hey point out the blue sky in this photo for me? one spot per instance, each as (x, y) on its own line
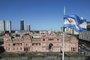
(42, 14)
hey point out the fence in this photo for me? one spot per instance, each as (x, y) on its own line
(46, 58)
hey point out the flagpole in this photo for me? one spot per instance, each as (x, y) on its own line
(63, 47)
(64, 10)
(63, 37)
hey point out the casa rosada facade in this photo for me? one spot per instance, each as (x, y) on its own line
(39, 42)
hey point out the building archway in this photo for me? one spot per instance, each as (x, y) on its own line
(50, 46)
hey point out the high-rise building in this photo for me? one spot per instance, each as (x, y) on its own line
(28, 27)
(1, 25)
(88, 26)
(22, 25)
(8, 26)
(85, 36)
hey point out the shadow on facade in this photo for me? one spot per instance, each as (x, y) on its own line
(87, 58)
(2, 49)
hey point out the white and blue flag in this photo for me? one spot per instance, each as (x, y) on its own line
(73, 21)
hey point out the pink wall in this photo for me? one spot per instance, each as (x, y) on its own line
(29, 45)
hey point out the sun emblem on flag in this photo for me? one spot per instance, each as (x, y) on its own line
(71, 20)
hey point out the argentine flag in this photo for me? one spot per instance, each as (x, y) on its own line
(73, 21)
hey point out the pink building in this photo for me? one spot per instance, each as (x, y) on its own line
(38, 42)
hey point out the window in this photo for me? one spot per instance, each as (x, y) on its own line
(26, 49)
(43, 39)
(36, 44)
(57, 39)
(20, 48)
(26, 44)
(39, 43)
(73, 49)
(8, 44)
(8, 48)
(17, 48)
(50, 39)
(32, 44)
(13, 44)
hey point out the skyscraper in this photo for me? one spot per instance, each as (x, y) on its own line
(8, 26)
(22, 25)
(28, 27)
(88, 26)
(1, 25)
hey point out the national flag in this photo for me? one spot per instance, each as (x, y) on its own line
(73, 21)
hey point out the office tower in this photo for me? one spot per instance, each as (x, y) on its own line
(8, 26)
(88, 26)
(1, 25)
(85, 36)
(28, 27)
(22, 25)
